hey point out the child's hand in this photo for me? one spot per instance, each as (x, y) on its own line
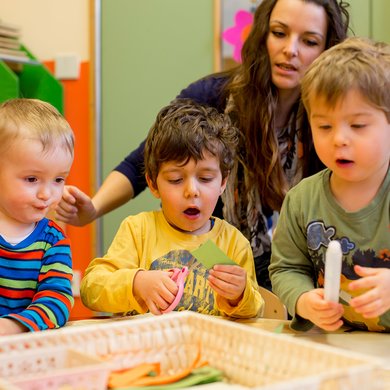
(326, 315)
(376, 300)
(228, 281)
(8, 327)
(156, 289)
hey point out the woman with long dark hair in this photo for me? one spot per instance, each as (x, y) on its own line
(262, 96)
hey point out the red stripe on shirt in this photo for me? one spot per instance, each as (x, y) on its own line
(27, 321)
(43, 316)
(16, 294)
(54, 274)
(30, 255)
(54, 295)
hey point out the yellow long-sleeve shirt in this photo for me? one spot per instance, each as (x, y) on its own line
(146, 241)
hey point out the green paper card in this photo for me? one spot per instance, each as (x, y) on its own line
(209, 255)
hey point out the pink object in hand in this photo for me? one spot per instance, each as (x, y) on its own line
(178, 276)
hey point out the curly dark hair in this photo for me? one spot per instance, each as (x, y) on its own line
(185, 130)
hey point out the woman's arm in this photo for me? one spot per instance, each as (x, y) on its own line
(78, 209)
(127, 180)
(115, 191)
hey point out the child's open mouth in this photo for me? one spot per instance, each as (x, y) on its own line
(342, 161)
(192, 211)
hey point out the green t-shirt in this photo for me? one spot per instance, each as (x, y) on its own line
(310, 218)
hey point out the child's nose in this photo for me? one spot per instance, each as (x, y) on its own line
(44, 192)
(340, 137)
(191, 189)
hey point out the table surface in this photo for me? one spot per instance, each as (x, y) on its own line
(370, 343)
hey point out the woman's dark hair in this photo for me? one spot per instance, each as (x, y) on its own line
(255, 99)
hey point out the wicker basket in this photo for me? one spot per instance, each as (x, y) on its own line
(248, 356)
(52, 369)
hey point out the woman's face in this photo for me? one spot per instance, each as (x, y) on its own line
(297, 36)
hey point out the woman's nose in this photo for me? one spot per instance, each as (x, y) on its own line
(291, 47)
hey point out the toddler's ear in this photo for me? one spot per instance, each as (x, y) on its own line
(153, 189)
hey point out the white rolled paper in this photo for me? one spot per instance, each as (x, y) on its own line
(333, 261)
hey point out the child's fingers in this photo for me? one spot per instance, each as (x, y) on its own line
(331, 327)
(166, 297)
(226, 289)
(365, 271)
(223, 278)
(225, 281)
(164, 293)
(153, 307)
(229, 269)
(364, 299)
(369, 304)
(364, 283)
(229, 274)
(329, 317)
(157, 303)
(172, 287)
(372, 310)
(217, 285)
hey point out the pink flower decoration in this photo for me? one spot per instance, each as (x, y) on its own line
(237, 34)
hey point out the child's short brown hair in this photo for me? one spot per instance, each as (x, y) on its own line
(185, 130)
(35, 119)
(356, 63)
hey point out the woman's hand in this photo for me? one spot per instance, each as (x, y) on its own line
(75, 208)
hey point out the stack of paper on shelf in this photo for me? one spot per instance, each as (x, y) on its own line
(10, 47)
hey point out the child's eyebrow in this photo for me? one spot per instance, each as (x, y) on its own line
(319, 116)
(207, 169)
(181, 169)
(172, 169)
(352, 115)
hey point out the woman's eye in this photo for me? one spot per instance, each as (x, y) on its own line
(278, 34)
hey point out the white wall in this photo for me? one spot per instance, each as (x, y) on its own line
(50, 27)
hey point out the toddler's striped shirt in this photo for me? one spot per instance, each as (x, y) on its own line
(35, 278)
